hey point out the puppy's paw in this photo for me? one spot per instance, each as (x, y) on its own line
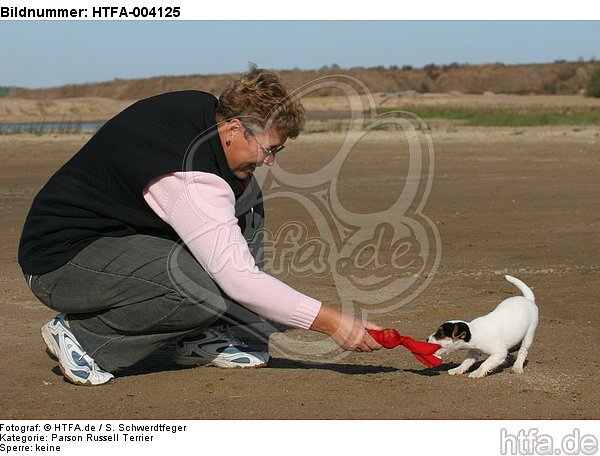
(477, 374)
(456, 371)
(517, 369)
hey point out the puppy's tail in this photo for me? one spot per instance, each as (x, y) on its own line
(521, 286)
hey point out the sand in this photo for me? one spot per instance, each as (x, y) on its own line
(520, 201)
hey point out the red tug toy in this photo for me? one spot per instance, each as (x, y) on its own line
(423, 351)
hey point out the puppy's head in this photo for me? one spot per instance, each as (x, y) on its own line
(451, 335)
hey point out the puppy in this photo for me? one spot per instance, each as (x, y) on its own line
(514, 321)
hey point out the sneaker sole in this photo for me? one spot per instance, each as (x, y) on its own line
(221, 364)
(77, 381)
(52, 350)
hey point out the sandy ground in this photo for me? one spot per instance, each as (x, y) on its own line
(519, 201)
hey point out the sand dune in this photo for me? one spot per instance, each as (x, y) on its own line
(16, 110)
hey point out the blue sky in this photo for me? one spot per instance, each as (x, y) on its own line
(44, 54)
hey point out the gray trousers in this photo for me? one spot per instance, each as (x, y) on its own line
(126, 297)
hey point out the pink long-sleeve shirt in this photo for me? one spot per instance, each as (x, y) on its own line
(201, 209)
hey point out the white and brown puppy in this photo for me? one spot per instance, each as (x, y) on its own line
(514, 321)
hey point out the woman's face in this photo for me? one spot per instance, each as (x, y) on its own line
(244, 152)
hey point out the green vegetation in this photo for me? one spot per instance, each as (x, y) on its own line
(511, 117)
(593, 89)
(579, 117)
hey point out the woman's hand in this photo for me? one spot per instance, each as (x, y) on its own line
(348, 332)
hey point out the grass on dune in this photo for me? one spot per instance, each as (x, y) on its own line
(503, 117)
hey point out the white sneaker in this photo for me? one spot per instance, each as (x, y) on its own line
(76, 365)
(217, 347)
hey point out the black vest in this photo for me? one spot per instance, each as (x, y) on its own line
(99, 191)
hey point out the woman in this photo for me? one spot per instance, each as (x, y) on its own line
(144, 237)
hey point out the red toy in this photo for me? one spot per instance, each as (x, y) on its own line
(423, 351)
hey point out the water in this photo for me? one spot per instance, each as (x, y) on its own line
(58, 127)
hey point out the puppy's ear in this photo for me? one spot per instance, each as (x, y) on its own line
(444, 331)
(439, 333)
(461, 331)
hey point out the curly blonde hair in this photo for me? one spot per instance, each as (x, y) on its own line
(261, 98)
